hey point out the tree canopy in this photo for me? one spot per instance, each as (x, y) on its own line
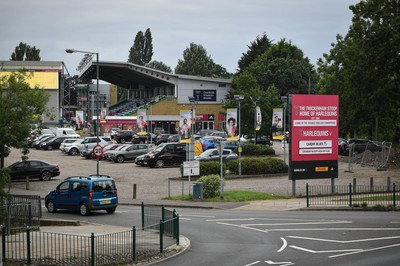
(142, 50)
(267, 71)
(158, 65)
(363, 69)
(24, 52)
(19, 106)
(197, 62)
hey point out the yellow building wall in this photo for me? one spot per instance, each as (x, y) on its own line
(46, 80)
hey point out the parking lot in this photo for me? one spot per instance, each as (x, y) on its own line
(152, 183)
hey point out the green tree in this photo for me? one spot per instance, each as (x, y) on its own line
(158, 65)
(142, 50)
(19, 105)
(24, 52)
(267, 72)
(197, 62)
(256, 48)
(363, 69)
(284, 66)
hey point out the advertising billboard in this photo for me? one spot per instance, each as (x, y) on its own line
(314, 136)
(231, 124)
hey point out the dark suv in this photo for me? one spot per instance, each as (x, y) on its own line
(122, 136)
(84, 194)
(173, 153)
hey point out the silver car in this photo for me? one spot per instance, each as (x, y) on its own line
(129, 152)
(213, 155)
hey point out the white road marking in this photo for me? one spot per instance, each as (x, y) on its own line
(346, 241)
(197, 216)
(253, 263)
(365, 250)
(324, 251)
(284, 245)
(286, 263)
(332, 229)
(304, 223)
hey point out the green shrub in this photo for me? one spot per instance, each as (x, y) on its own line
(209, 168)
(211, 185)
(249, 148)
(258, 166)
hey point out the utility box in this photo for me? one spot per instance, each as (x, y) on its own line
(198, 191)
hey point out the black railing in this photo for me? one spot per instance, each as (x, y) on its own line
(27, 246)
(353, 195)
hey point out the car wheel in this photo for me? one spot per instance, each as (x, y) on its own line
(111, 210)
(122, 141)
(74, 151)
(45, 176)
(49, 148)
(120, 159)
(84, 210)
(160, 164)
(51, 207)
(141, 142)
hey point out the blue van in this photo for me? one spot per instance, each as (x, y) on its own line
(84, 194)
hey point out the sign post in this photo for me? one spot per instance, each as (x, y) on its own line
(191, 168)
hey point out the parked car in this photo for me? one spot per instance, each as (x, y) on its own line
(230, 144)
(73, 148)
(84, 194)
(34, 169)
(203, 132)
(129, 153)
(361, 145)
(173, 138)
(173, 153)
(67, 141)
(207, 143)
(213, 155)
(53, 143)
(86, 148)
(141, 139)
(264, 140)
(115, 147)
(162, 138)
(36, 143)
(114, 131)
(141, 160)
(122, 136)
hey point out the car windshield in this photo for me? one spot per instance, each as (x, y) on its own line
(101, 185)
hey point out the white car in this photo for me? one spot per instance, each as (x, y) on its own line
(90, 142)
(72, 148)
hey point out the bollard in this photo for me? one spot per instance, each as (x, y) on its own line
(354, 185)
(134, 191)
(371, 184)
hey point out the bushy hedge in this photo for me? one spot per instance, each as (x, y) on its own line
(249, 148)
(258, 166)
(211, 185)
(209, 168)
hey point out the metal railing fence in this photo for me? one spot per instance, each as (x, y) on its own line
(21, 211)
(353, 195)
(31, 247)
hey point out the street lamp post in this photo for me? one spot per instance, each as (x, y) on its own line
(284, 100)
(239, 98)
(70, 51)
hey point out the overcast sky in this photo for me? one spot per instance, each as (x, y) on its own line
(223, 27)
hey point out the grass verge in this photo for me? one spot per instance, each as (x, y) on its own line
(235, 196)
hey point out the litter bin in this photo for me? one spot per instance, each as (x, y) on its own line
(198, 191)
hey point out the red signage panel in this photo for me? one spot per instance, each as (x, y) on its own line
(314, 135)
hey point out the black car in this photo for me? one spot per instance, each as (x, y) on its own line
(141, 139)
(36, 143)
(357, 146)
(53, 143)
(123, 136)
(264, 140)
(166, 154)
(34, 169)
(162, 138)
